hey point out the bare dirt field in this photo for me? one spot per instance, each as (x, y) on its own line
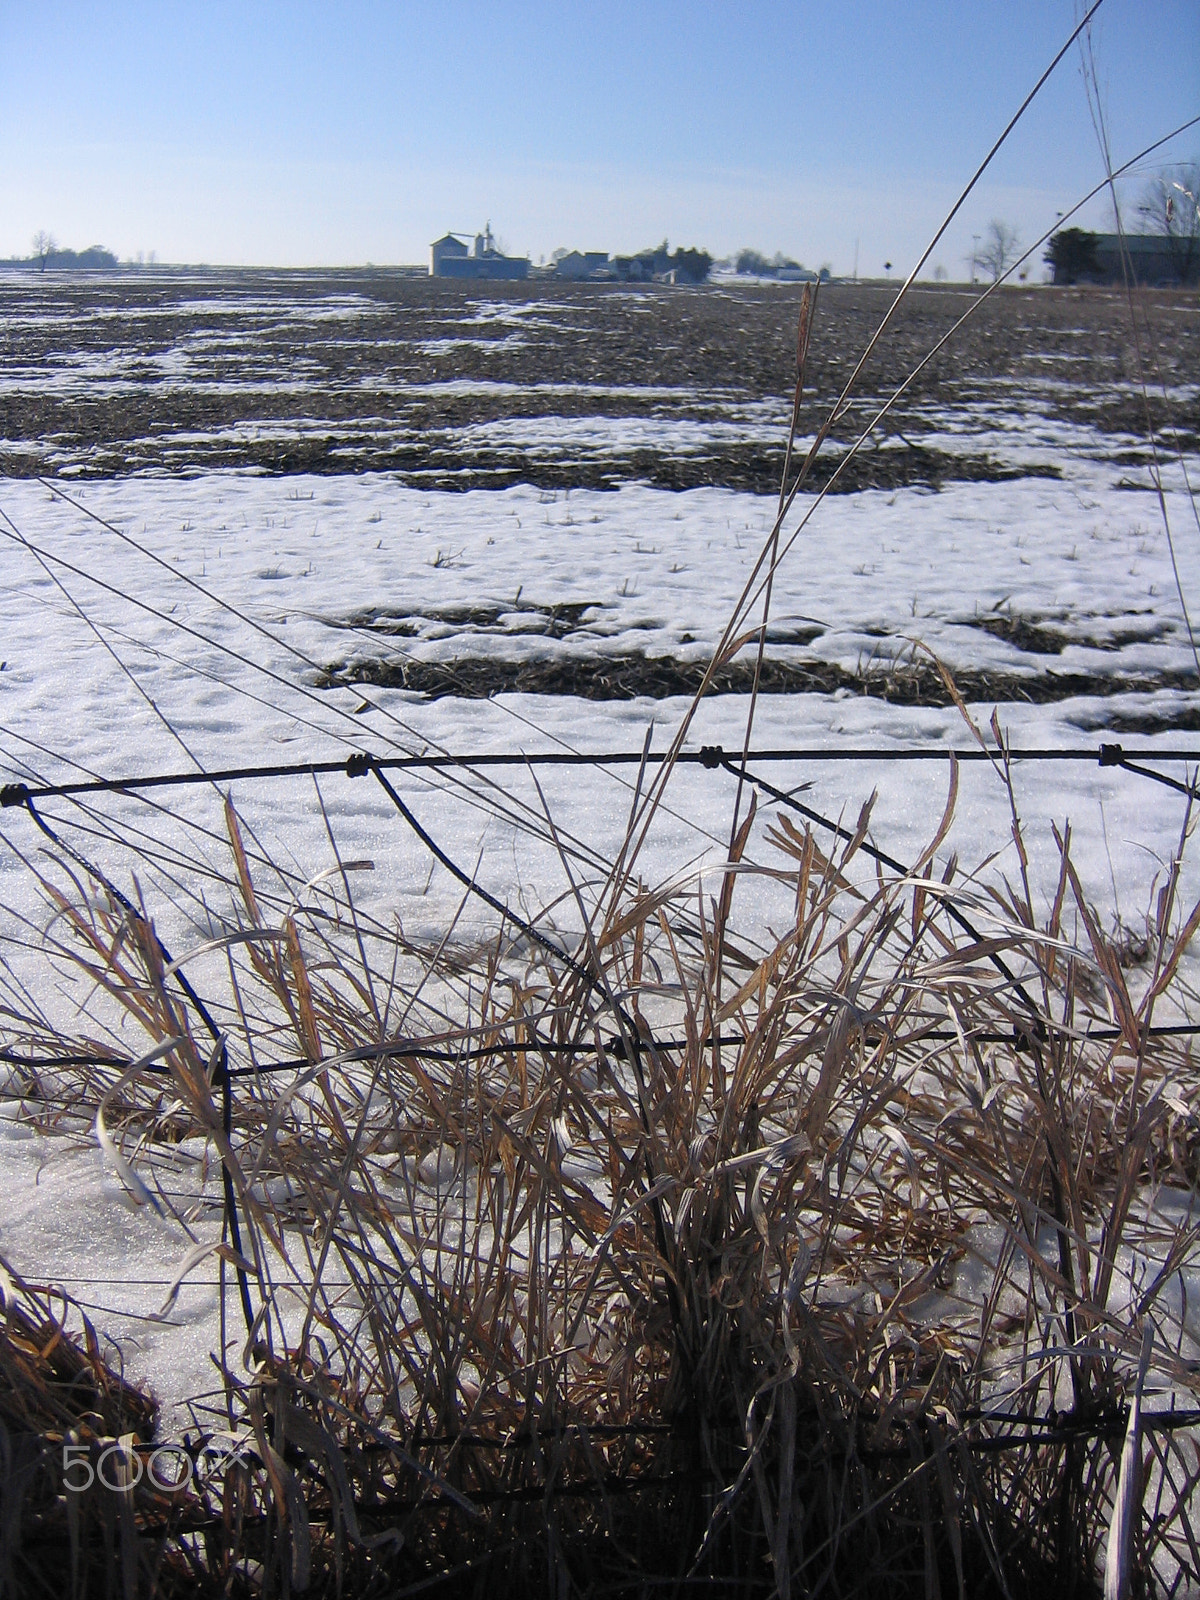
(432, 386)
(468, 386)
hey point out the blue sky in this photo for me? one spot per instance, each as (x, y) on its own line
(319, 134)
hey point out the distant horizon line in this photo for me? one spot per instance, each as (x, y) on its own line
(30, 264)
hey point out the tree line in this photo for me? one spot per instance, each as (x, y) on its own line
(48, 253)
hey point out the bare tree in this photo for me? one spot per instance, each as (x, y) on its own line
(44, 246)
(1169, 208)
(1000, 247)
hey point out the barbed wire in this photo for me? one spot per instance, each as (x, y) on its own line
(1028, 1035)
(708, 756)
(1017, 1037)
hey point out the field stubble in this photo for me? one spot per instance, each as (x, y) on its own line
(450, 387)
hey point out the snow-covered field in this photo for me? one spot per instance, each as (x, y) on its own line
(195, 628)
(162, 623)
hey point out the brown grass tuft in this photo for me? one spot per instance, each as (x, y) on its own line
(848, 1301)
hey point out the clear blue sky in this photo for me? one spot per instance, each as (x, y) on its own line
(342, 133)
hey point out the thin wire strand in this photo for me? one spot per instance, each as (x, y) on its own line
(358, 765)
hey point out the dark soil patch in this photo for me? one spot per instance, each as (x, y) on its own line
(557, 620)
(408, 378)
(1182, 719)
(437, 464)
(1023, 633)
(1036, 636)
(630, 676)
(750, 468)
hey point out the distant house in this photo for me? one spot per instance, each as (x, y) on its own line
(1154, 259)
(753, 264)
(448, 248)
(663, 266)
(579, 264)
(634, 269)
(452, 257)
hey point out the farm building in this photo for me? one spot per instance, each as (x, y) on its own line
(452, 257)
(578, 264)
(1154, 258)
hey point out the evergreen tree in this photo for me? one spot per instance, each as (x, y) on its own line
(1072, 254)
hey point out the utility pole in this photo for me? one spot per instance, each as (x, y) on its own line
(974, 254)
(856, 260)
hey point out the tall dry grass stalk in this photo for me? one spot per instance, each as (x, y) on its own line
(818, 1268)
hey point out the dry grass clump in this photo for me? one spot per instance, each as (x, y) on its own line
(822, 1267)
(55, 1389)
